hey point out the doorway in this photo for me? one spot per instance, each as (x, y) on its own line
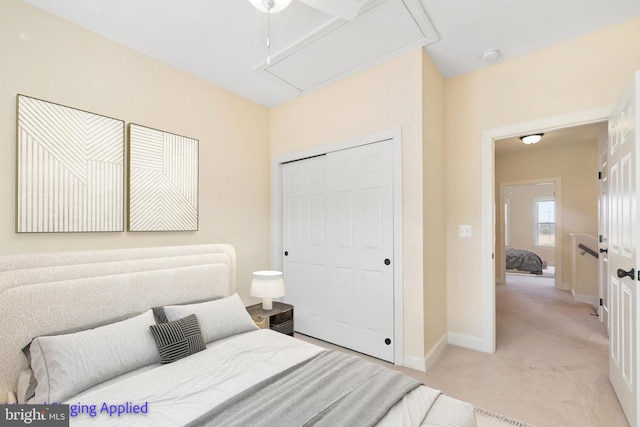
(542, 184)
(489, 138)
(527, 227)
(623, 123)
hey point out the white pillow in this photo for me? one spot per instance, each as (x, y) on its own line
(65, 365)
(218, 319)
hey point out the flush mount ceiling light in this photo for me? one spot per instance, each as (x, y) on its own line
(532, 139)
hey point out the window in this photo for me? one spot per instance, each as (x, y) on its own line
(544, 233)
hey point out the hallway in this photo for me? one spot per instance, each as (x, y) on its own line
(550, 367)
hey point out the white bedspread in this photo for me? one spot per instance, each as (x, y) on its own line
(177, 393)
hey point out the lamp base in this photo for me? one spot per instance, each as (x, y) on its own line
(267, 303)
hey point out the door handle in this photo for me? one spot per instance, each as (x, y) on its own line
(631, 273)
(604, 250)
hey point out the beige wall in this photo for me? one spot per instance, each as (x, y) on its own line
(51, 59)
(576, 164)
(434, 199)
(584, 73)
(385, 97)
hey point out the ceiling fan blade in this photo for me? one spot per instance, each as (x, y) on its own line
(345, 9)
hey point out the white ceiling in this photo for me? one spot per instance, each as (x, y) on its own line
(565, 136)
(223, 41)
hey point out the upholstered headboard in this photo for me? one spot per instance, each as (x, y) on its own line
(48, 293)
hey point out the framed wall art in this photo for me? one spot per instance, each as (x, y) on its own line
(163, 180)
(70, 169)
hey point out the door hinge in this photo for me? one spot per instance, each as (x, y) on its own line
(601, 302)
(600, 238)
(599, 174)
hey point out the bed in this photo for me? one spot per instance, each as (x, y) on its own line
(158, 336)
(525, 260)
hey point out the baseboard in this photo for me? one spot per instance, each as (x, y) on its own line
(436, 351)
(587, 299)
(466, 341)
(416, 363)
(424, 363)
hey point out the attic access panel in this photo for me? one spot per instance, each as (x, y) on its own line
(381, 32)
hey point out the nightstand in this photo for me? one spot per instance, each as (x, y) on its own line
(279, 319)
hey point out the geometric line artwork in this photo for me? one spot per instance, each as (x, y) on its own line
(163, 181)
(70, 169)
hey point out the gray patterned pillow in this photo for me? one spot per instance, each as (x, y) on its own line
(178, 339)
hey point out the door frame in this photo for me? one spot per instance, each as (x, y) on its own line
(603, 258)
(395, 135)
(487, 342)
(501, 247)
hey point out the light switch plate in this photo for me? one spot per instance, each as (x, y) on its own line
(464, 231)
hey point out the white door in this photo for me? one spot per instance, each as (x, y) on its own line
(623, 254)
(603, 228)
(304, 195)
(338, 247)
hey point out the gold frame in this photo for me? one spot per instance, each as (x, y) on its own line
(163, 181)
(69, 169)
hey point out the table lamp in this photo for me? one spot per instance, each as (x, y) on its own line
(267, 285)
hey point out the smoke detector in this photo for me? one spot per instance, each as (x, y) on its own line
(490, 55)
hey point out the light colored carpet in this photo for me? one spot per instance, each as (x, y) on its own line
(486, 418)
(551, 364)
(550, 368)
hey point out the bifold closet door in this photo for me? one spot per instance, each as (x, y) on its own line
(338, 243)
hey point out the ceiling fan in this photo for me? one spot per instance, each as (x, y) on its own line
(345, 9)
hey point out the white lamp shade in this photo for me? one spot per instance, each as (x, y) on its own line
(267, 284)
